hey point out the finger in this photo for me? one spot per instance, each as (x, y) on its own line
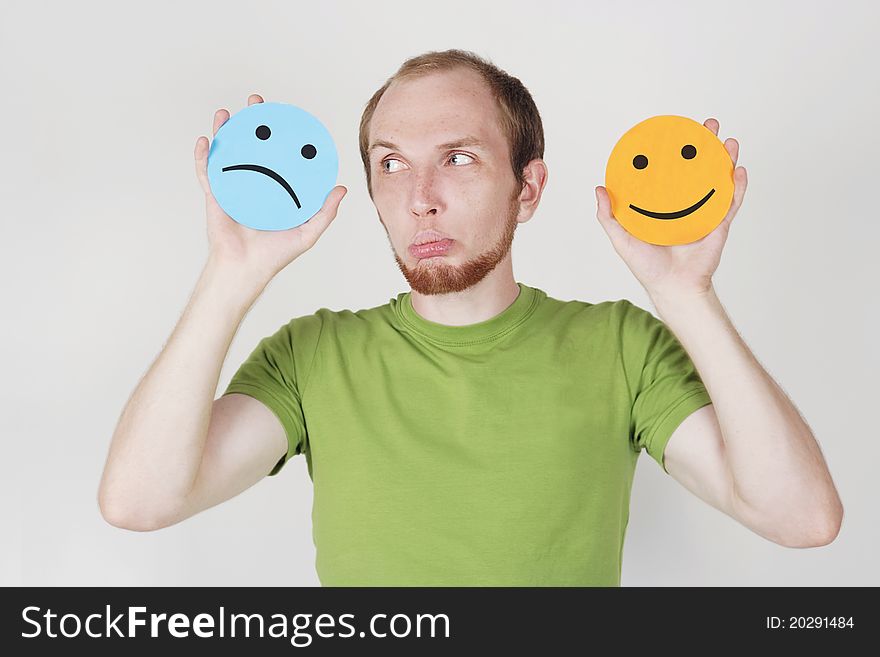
(220, 117)
(605, 216)
(313, 228)
(604, 203)
(201, 159)
(254, 98)
(732, 146)
(740, 183)
(712, 124)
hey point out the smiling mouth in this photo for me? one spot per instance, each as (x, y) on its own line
(265, 170)
(675, 215)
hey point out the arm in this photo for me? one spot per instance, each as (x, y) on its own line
(245, 440)
(749, 453)
(175, 451)
(161, 437)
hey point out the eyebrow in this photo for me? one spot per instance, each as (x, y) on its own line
(456, 143)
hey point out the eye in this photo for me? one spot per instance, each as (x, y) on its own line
(263, 132)
(640, 161)
(388, 161)
(461, 155)
(308, 151)
(688, 152)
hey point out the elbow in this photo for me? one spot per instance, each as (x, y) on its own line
(832, 528)
(121, 517)
(822, 533)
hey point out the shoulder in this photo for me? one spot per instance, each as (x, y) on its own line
(615, 326)
(342, 323)
(346, 318)
(610, 314)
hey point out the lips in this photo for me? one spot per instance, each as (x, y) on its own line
(429, 236)
(430, 249)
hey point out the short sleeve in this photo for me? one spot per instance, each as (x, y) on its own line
(275, 373)
(664, 384)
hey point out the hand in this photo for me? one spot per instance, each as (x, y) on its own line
(680, 269)
(259, 253)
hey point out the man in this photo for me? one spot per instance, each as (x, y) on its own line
(472, 431)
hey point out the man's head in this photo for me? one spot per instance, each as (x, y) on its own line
(452, 144)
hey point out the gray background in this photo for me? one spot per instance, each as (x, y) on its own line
(104, 237)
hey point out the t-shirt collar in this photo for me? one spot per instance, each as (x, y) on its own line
(491, 329)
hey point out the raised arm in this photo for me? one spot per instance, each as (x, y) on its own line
(175, 450)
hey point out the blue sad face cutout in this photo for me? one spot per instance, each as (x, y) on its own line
(271, 166)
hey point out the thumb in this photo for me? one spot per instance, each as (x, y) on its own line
(614, 230)
(201, 162)
(313, 228)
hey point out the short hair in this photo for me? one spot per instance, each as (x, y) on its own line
(520, 119)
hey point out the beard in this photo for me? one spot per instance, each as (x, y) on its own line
(435, 276)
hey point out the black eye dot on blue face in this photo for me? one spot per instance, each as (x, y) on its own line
(688, 152)
(308, 151)
(640, 161)
(263, 132)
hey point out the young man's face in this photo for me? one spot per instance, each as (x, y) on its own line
(439, 161)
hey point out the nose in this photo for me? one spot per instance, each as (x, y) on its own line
(424, 199)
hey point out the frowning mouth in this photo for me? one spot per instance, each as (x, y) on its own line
(267, 171)
(675, 215)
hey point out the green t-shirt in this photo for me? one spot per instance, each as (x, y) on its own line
(499, 453)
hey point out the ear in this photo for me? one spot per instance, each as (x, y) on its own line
(535, 179)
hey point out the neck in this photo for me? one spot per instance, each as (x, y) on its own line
(488, 298)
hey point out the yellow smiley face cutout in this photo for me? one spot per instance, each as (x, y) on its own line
(670, 180)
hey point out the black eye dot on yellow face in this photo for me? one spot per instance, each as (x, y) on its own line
(263, 132)
(640, 161)
(688, 152)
